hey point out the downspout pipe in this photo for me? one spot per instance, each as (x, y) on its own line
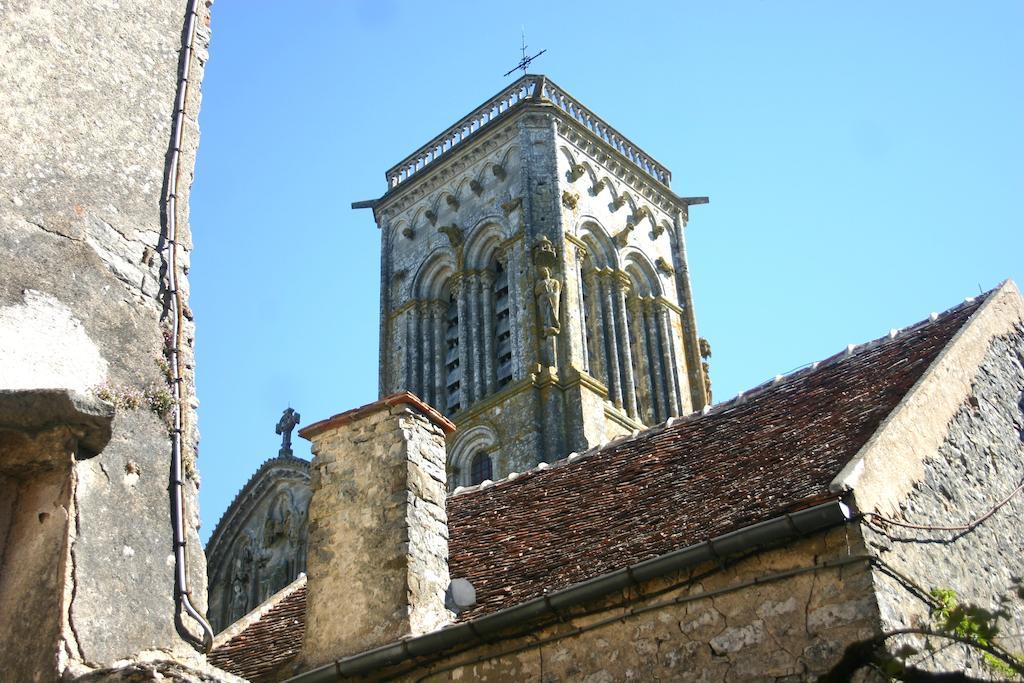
(182, 596)
(780, 529)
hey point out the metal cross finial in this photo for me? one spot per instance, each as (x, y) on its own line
(525, 61)
(289, 420)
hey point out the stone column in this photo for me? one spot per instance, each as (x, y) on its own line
(487, 329)
(645, 388)
(621, 283)
(415, 343)
(478, 323)
(440, 354)
(666, 360)
(662, 409)
(595, 340)
(459, 290)
(608, 319)
(378, 534)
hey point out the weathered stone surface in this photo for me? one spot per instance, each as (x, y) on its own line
(378, 535)
(85, 130)
(535, 199)
(769, 631)
(980, 462)
(156, 667)
(27, 412)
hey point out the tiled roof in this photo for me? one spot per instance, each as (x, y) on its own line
(259, 650)
(773, 450)
(751, 459)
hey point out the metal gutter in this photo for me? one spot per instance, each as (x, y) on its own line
(778, 529)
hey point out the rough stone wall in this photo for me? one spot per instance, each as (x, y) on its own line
(378, 534)
(980, 462)
(34, 531)
(788, 629)
(85, 129)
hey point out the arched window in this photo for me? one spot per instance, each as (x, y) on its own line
(480, 468)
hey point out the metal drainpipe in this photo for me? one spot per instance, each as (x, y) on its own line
(181, 589)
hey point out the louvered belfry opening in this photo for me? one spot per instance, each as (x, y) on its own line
(502, 325)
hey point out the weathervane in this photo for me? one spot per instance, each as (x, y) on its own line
(525, 61)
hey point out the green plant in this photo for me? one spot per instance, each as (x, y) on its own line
(971, 623)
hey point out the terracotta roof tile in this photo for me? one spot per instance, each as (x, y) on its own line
(771, 451)
(774, 450)
(260, 650)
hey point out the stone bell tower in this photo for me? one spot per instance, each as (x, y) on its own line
(534, 284)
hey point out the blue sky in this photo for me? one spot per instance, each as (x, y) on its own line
(863, 162)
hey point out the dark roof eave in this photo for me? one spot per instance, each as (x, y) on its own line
(779, 529)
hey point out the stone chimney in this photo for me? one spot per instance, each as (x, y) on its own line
(378, 532)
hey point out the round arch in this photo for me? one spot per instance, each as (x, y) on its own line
(481, 438)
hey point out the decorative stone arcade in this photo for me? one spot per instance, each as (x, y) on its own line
(534, 283)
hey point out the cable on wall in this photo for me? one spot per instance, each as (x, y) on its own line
(183, 602)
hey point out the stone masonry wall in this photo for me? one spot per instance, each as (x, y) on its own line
(85, 128)
(979, 464)
(713, 625)
(378, 534)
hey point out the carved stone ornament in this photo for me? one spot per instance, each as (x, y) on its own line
(544, 253)
(576, 171)
(511, 205)
(705, 347)
(499, 171)
(408, 233)
(453, 233)
(657, 230)
(664, 266)
(431, 216)
(477, 188)
(622, 237)
(598, 186)
(707, 381)
(547, 290)
(570, 200)
(452, 201)
(618, 202)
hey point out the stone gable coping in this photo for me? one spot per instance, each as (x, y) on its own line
(228, 523)
(401, 398)
(888, 465)
(257, 613)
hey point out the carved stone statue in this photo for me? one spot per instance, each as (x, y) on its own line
(279, 521)
(241, 580)
(548, 291)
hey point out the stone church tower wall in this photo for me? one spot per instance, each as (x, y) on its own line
(86, 146)
(534, 284)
